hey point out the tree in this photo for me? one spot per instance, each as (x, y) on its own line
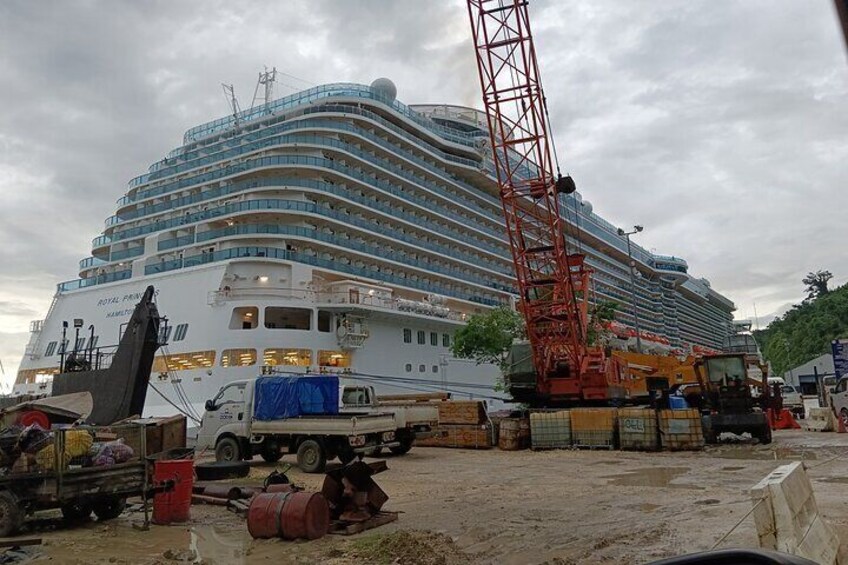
(487, 337)
(805, 331)
(817, 283)
(601, 313)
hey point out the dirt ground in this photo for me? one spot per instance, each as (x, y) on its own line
(464, 506)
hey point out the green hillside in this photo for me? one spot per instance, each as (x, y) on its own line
(805, 332)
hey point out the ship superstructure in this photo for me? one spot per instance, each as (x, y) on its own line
(337, 230)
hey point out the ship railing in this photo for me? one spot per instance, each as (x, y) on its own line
(216, 297)
(341, 297)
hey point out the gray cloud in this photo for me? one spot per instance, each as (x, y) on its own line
(720, 126)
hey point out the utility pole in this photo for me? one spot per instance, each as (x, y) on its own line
(632, 265)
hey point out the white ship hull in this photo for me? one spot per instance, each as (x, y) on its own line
(212, 300)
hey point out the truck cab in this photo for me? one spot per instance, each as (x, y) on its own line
(225, 414)
(839, 400)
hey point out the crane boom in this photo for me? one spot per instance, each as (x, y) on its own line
(553, 285)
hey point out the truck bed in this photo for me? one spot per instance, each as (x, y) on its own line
(411, 415)
(335, 425)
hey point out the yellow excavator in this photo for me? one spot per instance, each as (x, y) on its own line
(642, 375)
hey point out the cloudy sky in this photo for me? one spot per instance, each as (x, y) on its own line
(720, 125)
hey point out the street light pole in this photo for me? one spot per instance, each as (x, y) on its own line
(632, 266)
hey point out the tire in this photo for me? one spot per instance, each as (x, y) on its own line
(109, 508)
(221, 470)
(311, 457)
(76, 512)
(227, 449)
(346, 456)
(403, 448)
(272, 456)
(11, 516)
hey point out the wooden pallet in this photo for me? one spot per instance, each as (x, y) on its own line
(465, 412)
(475, 436)
(346, 528)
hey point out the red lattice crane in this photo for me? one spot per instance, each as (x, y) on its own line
(553, 283)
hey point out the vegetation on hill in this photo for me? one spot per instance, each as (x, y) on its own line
(806, 331)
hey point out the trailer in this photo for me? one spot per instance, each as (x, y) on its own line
(65, 470)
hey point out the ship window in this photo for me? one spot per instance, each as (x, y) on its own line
(51, 349)
(407, 335)
(434, 339)
(64, 347)
(244, 318)
(422, 337)
(409, 367)
(288, 318)
(333, 359)
(422, 368)
(184, 361)
(30, 376)
(180, 332)
(165, 334)
(92, 341)
(238, 357)
(325, 321)
(291, 357)
(80, 344)
(446, 340)
(435, 368)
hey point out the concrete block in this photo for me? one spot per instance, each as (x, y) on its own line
(820, 419)
(787, 517)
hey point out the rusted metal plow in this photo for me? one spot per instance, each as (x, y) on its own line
(355, 500)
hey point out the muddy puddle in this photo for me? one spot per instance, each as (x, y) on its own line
(763, 454)
(652, 477)
(214, 544)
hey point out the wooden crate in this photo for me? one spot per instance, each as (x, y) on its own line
(462, 412)
(162, 434)
(477, 436)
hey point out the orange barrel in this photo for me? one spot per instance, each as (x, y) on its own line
(173, 506)
(263, 516)
(290, 515)
(305, 515)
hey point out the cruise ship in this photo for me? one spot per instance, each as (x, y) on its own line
(335, 230)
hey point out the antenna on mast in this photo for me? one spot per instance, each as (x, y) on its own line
(232, 101)
(266, 79)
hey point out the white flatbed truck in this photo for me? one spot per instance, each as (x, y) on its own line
(231, 427)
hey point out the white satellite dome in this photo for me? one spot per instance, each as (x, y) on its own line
(385, 88)
(587, 207)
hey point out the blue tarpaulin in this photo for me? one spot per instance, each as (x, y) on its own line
(279, 397)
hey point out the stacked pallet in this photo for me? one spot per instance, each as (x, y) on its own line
(462, 423)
